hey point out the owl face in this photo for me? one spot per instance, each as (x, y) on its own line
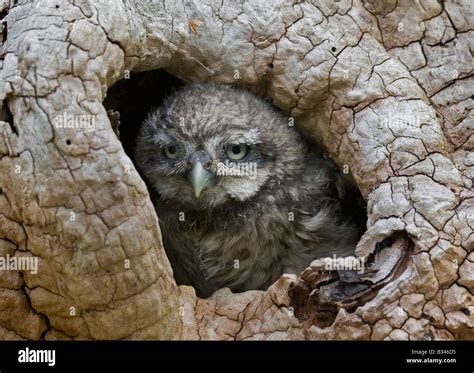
(208, 145)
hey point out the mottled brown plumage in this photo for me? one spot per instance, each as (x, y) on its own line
(239, 231)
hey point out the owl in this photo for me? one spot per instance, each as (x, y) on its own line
(241, 196)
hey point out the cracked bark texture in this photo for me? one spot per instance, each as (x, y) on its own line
(385, 85)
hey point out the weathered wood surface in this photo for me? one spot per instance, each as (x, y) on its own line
(387, 86)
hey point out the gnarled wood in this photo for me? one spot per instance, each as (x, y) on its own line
(386, 86)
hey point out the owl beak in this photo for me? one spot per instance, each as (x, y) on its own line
(199, 178)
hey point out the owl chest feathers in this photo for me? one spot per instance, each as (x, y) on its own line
(249, 250)
(246, 254)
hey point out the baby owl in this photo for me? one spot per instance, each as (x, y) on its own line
(241, 197)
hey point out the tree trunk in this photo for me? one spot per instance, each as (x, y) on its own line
(386, 86)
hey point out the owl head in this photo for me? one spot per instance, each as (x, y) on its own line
(207, 145)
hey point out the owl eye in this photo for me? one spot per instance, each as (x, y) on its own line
(236, 152)
(171, 152)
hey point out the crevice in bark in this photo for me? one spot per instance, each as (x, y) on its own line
(316, 299)
(4, 31)
(7, 116)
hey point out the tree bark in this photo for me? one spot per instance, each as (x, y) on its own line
(386, 86)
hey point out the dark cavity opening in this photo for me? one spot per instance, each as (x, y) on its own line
(4, 28)
(3, 14)
(135, 97)
(7, 116)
